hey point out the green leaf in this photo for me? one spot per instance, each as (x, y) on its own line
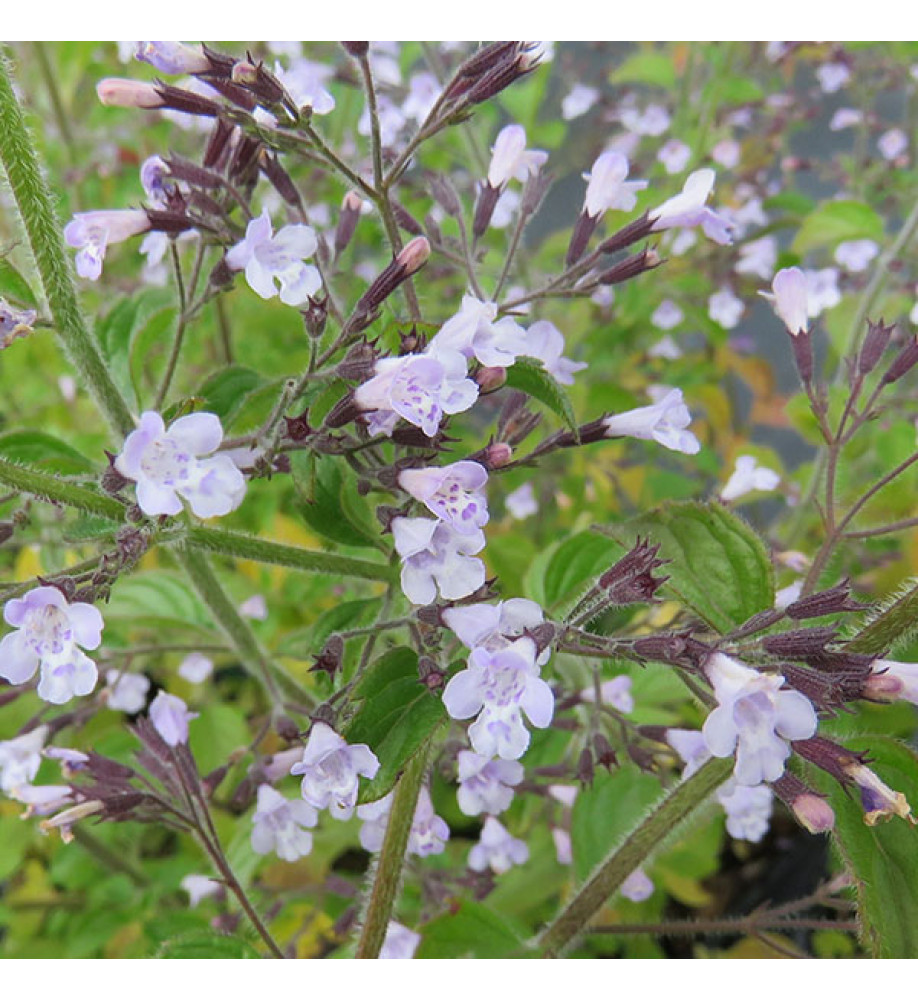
(44, 452)
(120, 328)
(215, 734)
(529, 376)
(157, 596)
(471, 931)
(16, 837)
(892, 625)
(397, 715)
(835, 221)
(604, 813)
(577, 561)
(226, 391)
(332, 506)
(654, 68)
(717, 566)
(881, 858)
(206, 944)
(14, 287)
(305, 643)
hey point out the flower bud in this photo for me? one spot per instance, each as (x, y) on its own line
(605, 755)
(583, 230)
(874, 345)
(118, 93)
(497, 455)
(409, 260)
(172, 58)
(484, 209)
(630, 267)
(490, 379)
(826, 602)
(347, 221)
(356, 49)
(585, 768)
(904, 362)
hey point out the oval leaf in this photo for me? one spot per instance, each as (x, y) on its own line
(529, 376)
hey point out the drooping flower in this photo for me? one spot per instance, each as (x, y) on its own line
(754, 719)
(497, 849)
(688, 209)
(748, 810)
(545, 342)
(637, 886)
(429, 832)
(454, 493)
(170, 715)
(268, 259)
(196, 668)
(789, 299)
(665, 422)
(49, 633)
(400, 942)
(510, 159)
(747, 476)
(126, 692)
(434, 556)
(498, 687)
(280, 825)
(200, 887)
(331, 770)
(92, 232)
(20, 758)
(178, 462)
(476, 332)
(172, 58)
(485, 785)
(607, 188)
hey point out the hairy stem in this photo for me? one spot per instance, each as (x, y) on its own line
(57, 490)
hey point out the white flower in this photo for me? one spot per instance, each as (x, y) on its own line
(267, 259)
(49, 632)
(607, 188)
(92, 232)
(498, 687)
(748, 476)
(726, 153)
(667, 315)
(615, 692)
(476, 332)
(894, 679)
(454, 493)
(485, 785)
(688, 209)
(674, 155)
(563, 847)
(754, 719)
(546, 342)
(423, 91)
(200, 887)
(725, 308)
(637, 887)
(748, 810)
(790, 299)
(434, 556)
(305, 82)
(832, 77)
(892, 144)
(493, 626)
(170, 715)
(856, 255)
(578, 101)
(331, 770)
(665, 422)
(822, 290)
(653, 120)
(126, 692)
(510, 159)
(279, 825)
(665, 348)
(521, 503)
(787, 595)
(497, 849)
(168, 464)
(20, 758)
(429, 833)
(254, 607)
(196, 668)
(845, 118)
(400, 942)
(758, 257)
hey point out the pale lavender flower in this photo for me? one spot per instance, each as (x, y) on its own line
(653, 120)
(856, 255)
(891, 680)
(391, 120)
(42, 800)
(787, 595)
(691, 746)
(758, 257)
(169, 464)
(822, 290)
(832, 76)
(667, 315)
(754, 719)
(280, 825)
(254, 607)
(790, 299)
(726, 153)
(196, 668)
(49, 632)
(200, 887)
(170, 716)
(493, 626)
(20, 759)
(565, 794)
(748, 810)
(637, 886)
(665, 348)
(615, 692)
(725, 308)
(331, 770)
(665, 422)
(845, 118)
(510, 159)
(578, 101)
(435, 556)
(476, 332)
(497, 849)
(419, 388)
(564, 850)
(545, 342)
(305, 81)
(126, 692)
(172, 58)
(154, 175)
(505, 208)
(892, 144)
(688, 209)
(497, 687)
(375, 820)
(674, 155)
(268, 258)
(400, 942)
(93, 232)
(454, 493)
(429, 832)
(747, 476)
(485, 785)
(68, 387)
(423, 91)
(521, 502)
(607, 188)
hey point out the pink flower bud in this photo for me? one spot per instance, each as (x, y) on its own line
(813, 812)
(414, 255)
(119, 93)
(498, 455)
(490, 379)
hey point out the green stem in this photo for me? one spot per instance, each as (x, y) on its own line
(668, 814)
(43, 231)
(388, 873)
(240, 546)
(57, 490)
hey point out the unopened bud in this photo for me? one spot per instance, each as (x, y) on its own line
(244, 73)
(410, 259)
(583, 230)
(484, 208)
(347, 221)
(585, 769)
(874, 345)
(904, 362)
(826, 602)
(605, 755)
(415, 255)
(118, 93)
(497, 455)
(490, 379)
(630, 267)
(356, 49)
(431, 674)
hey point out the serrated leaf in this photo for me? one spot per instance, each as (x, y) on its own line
(471, 931)
(226, 391)
(14, 287)
(529, 376)
(43, 452)
(331, 504)
(835, 221)
(397, 715)
(576, 562)
(604, 813)
(718, 566)
(893, 625)
(206, 944)
(882, 857)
